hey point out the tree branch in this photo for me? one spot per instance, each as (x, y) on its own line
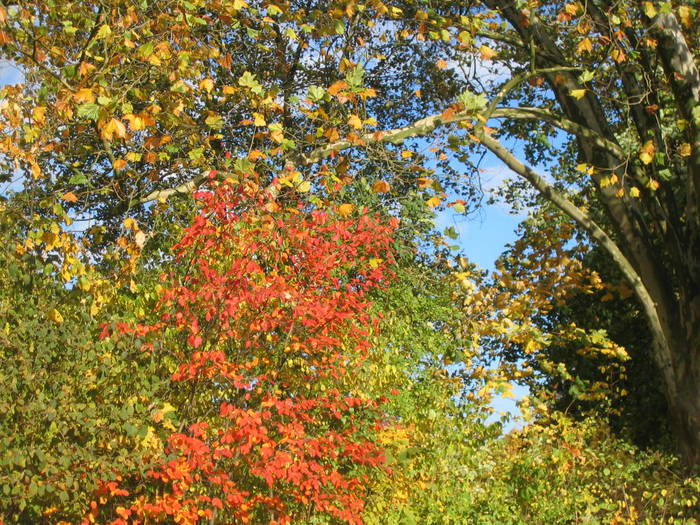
(563, 124)
(550, 193)
(419, 128)
(682, 72)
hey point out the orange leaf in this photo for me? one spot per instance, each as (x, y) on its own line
(256, 154)
(70, 197)
(85, 68)
(84, 95)
(424, 182)
(337, 87)
(381, 186)
(332, 134)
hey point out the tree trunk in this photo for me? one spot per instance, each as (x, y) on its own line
(684, 417)
(684, 410)
(679, 338)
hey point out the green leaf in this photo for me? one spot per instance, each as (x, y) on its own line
(472, 102)
(196, 153)
(89, 110)
(316, 93)
(248, 80)
(451, 232)
(214, 121)
(78, 179)
(355, 76)
(145, 50)
(586, 76)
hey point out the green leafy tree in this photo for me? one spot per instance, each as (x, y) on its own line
(76, 409)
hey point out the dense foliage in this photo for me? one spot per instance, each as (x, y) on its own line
(226, 300)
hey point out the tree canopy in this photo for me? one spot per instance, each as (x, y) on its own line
(227, 298)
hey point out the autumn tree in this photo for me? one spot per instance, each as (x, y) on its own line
(125, 105)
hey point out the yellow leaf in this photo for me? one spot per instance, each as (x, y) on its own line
(486, 52)
(207, 85)
(572, 9)
(684, 149)
(375, 262)
(84, 95)
(154, 60)
(36, 170)
(406, 154)
(70, 197)
(119, 164)
(239, 4)
(39, 114)
(50, 240)
(103, 32)
(441, 64)
(133, 156)
(136, 123)
(381, 186)
(277, 136)
(55, 316)
(577, 93)
(304, 186)
(345, 209)
(584, 46)
(634, 192)
(532, 346)
(647, 152)
(112, 128)
(653, 184)
(433, 202)
(355, 121)
(649, 9)
(130, 224)
(259, 120)
(507, 391)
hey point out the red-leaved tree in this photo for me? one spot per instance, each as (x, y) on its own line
(268, 312)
